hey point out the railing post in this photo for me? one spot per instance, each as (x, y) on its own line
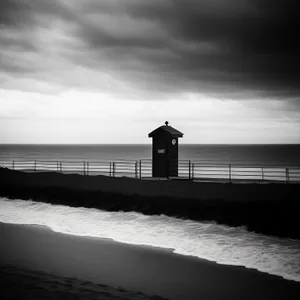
(140, 169)
(190, 170)
(13, 164)
(87, 168)
(60, 166)
(193, 171)
(230, 173)
(136, 169)
(35, 166)
(110, 169)
(287, 175)
(262, 173)
(113, 169)
(84, 168)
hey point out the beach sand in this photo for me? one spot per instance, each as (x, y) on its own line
(105, 265)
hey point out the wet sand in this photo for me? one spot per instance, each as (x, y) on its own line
(114, 265)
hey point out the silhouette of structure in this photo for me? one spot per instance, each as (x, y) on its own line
(165, 151)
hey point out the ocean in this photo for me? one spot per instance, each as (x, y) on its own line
(246, 154)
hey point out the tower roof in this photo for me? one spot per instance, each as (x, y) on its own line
(169, 129)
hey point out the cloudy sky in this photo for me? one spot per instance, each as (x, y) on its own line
(111, 71)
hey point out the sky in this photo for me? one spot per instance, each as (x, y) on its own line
(111, 71)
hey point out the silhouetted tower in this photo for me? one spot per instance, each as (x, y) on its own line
(165, 151)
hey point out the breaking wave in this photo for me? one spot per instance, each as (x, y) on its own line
(218, 243)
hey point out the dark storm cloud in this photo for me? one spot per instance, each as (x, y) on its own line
(256, 41)
(172, 46)
(20, 13)
(12, 12)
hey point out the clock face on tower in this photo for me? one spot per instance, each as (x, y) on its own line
(173, 142)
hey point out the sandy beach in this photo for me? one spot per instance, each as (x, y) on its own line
(151, 271)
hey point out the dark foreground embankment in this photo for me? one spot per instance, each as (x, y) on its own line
(265, 208)
(37, 285)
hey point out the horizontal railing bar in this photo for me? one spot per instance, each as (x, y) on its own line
(179, 161)
(143, 168)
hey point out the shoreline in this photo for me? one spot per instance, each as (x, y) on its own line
(150, 270)
(270, 209)
(159, 248)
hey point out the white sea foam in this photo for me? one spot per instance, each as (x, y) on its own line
(222, 244)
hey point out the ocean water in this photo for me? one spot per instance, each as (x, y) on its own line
(218, 243)
(246, 154)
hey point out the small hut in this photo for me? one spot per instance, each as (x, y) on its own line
(165, 151)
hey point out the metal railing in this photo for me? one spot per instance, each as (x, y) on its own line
(187, 169)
